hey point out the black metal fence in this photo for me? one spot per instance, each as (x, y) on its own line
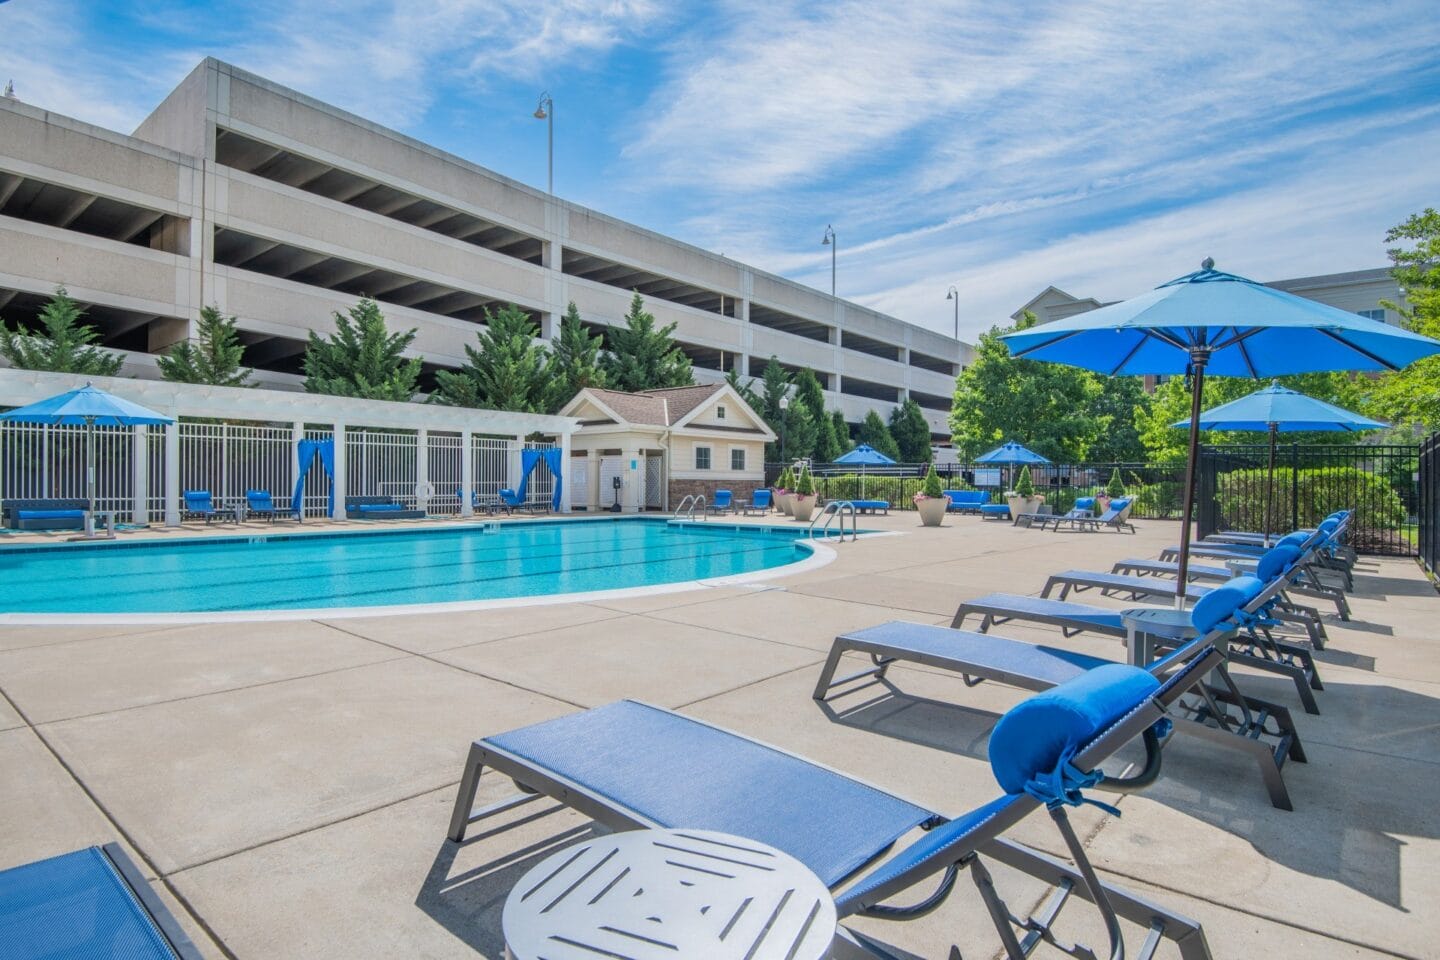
(1155, 486)
(1428, 476)
(1311, 481)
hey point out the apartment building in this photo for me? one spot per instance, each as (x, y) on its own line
(280, 209)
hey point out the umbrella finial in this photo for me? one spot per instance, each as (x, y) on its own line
(1207, 264)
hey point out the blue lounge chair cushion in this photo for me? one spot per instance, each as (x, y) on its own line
(378, 507)
(995, 508)
(657, 764)
(1043, 730)
(1222, 602)
(74, 907)
(50, 514)
(872, 504)
(760, 498)
(1084, 503)
(1276, 561)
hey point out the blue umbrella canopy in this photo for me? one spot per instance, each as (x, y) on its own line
(1284, 410)
(87, 406)
(1225, 324)
(1011, 453)
(865, 455)
(1211, 321)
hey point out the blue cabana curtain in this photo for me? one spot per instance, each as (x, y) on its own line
(306, 450)
(551, 459)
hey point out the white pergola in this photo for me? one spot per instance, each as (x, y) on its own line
(464, 431)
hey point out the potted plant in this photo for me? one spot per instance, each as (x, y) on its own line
(783, 483)
(931, 501)
(1114, 490)
(1022, 499)
(802, 501)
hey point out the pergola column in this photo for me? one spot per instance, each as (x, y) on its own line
(172, 474)
(467, 473)
(422, 466)
(140, 511)
(341, 479)
(565, 478)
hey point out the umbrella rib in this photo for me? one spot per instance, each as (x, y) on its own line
(1358, 349)
(1041, 346)
(1133, 350)
(1165, 336)
(1245, 355)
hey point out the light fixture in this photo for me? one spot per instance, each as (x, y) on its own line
(954, 294)
(545, 110)
(834, 245)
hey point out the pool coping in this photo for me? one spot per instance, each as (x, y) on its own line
(820, 555)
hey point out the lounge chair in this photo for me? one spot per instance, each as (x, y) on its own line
(966, 501)
(199, 505)
(1116, 516)
(380, 508)
(1320, 548)
(724, 503)
(1267, 608)
(49, 513)
(510, 501)
(980, 656)
(88, 903)
(1083, 510)
(1307, 585)
(259, 504)
(629, 765)
(759, 504)
(871, 506)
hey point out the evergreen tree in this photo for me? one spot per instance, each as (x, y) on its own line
(798, 435)
(361, 358)
(774, 387)
(574, 361)
(64, 346)
(642, 357)
(874, 432)
(911, 432)
(809, 392)
(1121, 401)
(746, 388)
(506, 372)
(841, 430)
(214, 359)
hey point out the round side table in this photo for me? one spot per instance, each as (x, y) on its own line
(645, 894)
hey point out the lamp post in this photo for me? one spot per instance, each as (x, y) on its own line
(953, 294)
(833, 244)
(545, 110)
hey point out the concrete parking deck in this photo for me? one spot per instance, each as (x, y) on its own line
(287, 785)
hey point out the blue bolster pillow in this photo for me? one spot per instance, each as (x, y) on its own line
(50, 514)
(1222, 602)
(1276, 561)
(1033, 736)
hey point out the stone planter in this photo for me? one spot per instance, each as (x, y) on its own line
(1023, 505)
(783, 501)
(1102, 503)
(932, 510)
(801, 507)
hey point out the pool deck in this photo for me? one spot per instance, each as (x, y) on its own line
(287, 786)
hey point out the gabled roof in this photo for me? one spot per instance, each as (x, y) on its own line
(1062, 297)
(669, 407)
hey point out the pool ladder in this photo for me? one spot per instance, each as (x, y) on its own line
(689, 505)
(834, 509)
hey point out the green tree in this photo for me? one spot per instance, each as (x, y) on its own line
(361, 358)
(1119, 438)
(506, 372)
(1024, 486)
(65, 344)
(746, 388)
(842, 433)
(826, 447)
(575, 361)
(911, 432)
(1048, 407)
(874, 432)
(1115, 489)
(213, 359)
(1171, 404)
(1411, 397)
(642, 357)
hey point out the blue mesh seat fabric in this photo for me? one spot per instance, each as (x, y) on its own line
(75, 907)
(678, 772)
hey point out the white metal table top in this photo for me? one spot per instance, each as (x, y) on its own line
(645, 894)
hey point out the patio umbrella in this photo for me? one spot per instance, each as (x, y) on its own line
(1216, 322)
(1011, 453)
(1275, 410)
(92, 408)
(864, 456)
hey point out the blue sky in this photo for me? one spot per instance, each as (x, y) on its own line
(1101, 147)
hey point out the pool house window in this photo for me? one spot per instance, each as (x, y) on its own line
(737, 458)
(702, 458)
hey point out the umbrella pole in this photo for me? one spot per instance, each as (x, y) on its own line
(1270, 483)
(1198, 360)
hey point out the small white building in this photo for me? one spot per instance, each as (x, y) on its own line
(648, 450)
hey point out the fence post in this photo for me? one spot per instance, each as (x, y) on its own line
(565, 478)
(340, 473)
(140, 512)
(1294, 486)
(172, 474)
(467, 473)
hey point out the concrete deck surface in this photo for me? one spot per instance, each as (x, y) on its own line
(287, 786)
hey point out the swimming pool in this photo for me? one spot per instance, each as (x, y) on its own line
(469, 565)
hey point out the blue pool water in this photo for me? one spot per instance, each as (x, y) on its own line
(342, 570)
